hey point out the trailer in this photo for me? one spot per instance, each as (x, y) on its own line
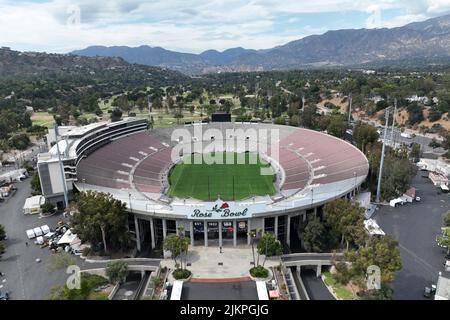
(176, 290)
(33, 205)
(396, 202)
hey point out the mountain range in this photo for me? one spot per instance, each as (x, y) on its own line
(427, 41)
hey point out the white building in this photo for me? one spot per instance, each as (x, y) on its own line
(33, 205)
(442, 288)
(416, 98)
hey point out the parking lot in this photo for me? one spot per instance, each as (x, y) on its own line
(24, 278)
(415, 226)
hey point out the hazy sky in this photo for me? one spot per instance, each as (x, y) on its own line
(194, 25)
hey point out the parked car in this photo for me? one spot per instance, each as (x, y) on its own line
(418, 199)
(429, 292)
(4, 296)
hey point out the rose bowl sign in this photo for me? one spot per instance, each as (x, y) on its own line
(224, 211)
(218, 210)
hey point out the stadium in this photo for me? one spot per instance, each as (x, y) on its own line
(182, 177)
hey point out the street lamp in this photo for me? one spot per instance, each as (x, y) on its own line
(129, 201)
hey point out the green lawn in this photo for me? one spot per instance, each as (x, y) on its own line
(340, 291)
(44, 119)
(194, 176)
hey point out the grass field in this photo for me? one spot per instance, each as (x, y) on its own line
(193, 177)
(341, 292)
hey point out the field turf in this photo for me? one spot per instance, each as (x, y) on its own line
(195, 178)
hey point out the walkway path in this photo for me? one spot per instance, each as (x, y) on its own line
(235, 262)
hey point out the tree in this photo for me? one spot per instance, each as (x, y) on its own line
(253, 235)
(415, 151)
(98, 218)
(2, 232)
(415, 113)
(35, 184)
(314, 235)
(19, 141)
(48, 208)
(364, 134)
(382, 252)
(280, 120)
(446, 219)
(177, 245)
(123, 103)
(269, 246)
(396, 177)
(444, 238)
(308, 116)
(346, 218)
(294, 121)
(178, 115)
(116, 271)
(61, 260)
(337, 126)
(88, 283)
(141, 103)
(116, 115)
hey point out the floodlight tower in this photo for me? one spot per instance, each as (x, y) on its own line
(393, 122)
(63, 177)
(350, 99)
(382, 154)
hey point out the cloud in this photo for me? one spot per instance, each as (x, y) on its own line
(193, 25)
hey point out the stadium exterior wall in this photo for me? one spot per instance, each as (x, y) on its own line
(151, 224)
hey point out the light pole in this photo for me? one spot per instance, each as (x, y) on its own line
(63, 177)
(393, 122)
(350, 99)
(382, 155)
(129, 201)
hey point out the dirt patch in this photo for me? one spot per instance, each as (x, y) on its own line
(340, 102)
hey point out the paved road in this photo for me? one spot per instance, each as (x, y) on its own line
(24, 277)
(314, 286)
(300, 289)
(128, 290)
(219, 291)
(415, 226)
(422, 140)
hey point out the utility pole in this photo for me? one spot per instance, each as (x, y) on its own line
(382, 155)
(61, 167)
(393, 121)
(349, 107)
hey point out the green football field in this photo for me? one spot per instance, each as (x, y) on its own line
(194, 177)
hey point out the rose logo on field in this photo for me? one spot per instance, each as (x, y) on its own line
(224, 206)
